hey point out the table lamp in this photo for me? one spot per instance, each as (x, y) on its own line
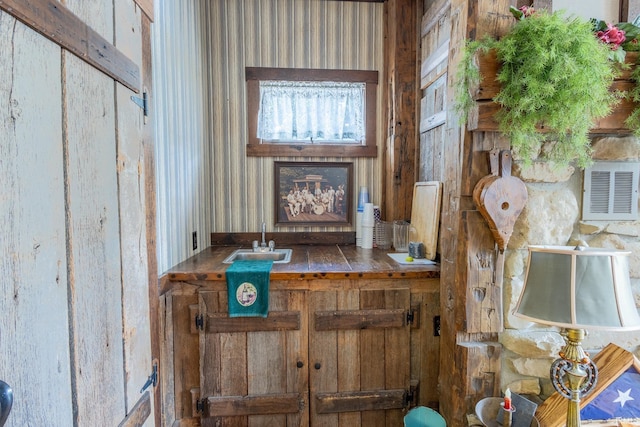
(577, 288)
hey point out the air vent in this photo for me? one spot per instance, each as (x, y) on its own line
(611, 191)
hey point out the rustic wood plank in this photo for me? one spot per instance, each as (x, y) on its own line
(297, 359)
(360, 401)
(401, 65)
(480, 363)
(150, 210)
(95, 287)
(397, 342)
(483, 294)
(323, 355)
(34, 305)
(348, 356)
(275, 321)
(147, 8)
(284, 239)
(57, 23)
(186, 359)
(360, 319)
(139, 413)
(372, 364)
(210, 358)
(167, 369)
(425, 349)
(432, 62)
(267, 363)
(469, 20)
(253, 405)
(132, 213)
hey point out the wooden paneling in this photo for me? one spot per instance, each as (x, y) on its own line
(34, 326)
(245, 370)
(131, 165)
(85, 312)
(59, 24)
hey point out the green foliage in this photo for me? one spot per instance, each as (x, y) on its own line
(555, 75)
(633, 121)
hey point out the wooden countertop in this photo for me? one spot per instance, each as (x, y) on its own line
(333, 262)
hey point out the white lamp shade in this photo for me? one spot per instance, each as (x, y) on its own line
(578, 288)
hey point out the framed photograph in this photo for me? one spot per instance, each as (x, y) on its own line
(313, 193)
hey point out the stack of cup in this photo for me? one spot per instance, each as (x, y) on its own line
(363, 198)
(368, 222)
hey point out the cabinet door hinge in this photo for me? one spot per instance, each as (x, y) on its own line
(199, 321)
(410, 316)
(200, 405)
(411, 395)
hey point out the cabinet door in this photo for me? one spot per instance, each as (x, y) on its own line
(359, 357)
(254, 370)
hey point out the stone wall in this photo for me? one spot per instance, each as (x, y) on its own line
(552, 216)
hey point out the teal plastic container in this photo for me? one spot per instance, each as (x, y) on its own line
(423, 417)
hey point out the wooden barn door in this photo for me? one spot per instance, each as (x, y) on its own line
(254, 370)
(359, 360)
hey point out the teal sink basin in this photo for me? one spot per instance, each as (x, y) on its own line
(278, 256)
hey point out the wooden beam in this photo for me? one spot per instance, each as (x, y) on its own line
(57, 23)
(147, 8)
(402, 33)
(139, 413)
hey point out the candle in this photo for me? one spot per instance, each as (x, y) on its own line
(507, 400)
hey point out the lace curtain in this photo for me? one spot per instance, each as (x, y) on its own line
(311, 111)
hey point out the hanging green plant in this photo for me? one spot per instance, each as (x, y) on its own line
(555, 78)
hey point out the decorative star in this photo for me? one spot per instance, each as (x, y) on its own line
(623, 397)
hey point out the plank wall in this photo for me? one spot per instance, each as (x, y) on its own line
(74, 330)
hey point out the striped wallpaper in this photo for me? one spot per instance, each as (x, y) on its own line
(205, 179)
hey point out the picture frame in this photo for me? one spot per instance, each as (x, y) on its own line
(313, 193)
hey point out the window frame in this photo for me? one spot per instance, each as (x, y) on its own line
(257, 148)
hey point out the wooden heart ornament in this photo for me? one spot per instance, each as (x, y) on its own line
(500, 199)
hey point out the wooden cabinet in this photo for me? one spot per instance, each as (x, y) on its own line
(331, 353)
(321, 358)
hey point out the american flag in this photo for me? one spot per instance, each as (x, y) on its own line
(620, 400)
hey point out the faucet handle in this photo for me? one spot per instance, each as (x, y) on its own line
(255, 245)
(272, 245)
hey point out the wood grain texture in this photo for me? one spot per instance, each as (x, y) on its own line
(95, 282)
(309, 262)
(139, 413)
(245, 372)
(468, 20)
(33, 259)
(403, 101)
(130, 167)
(348, 355)
(56, 22)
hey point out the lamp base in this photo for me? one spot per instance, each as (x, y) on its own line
(574, 375)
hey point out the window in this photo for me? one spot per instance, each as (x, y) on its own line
(611, 191)
(304, 112)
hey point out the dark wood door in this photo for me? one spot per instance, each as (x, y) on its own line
(359, 369)
(253, 369)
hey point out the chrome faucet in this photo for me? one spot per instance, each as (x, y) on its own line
(264, 247)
